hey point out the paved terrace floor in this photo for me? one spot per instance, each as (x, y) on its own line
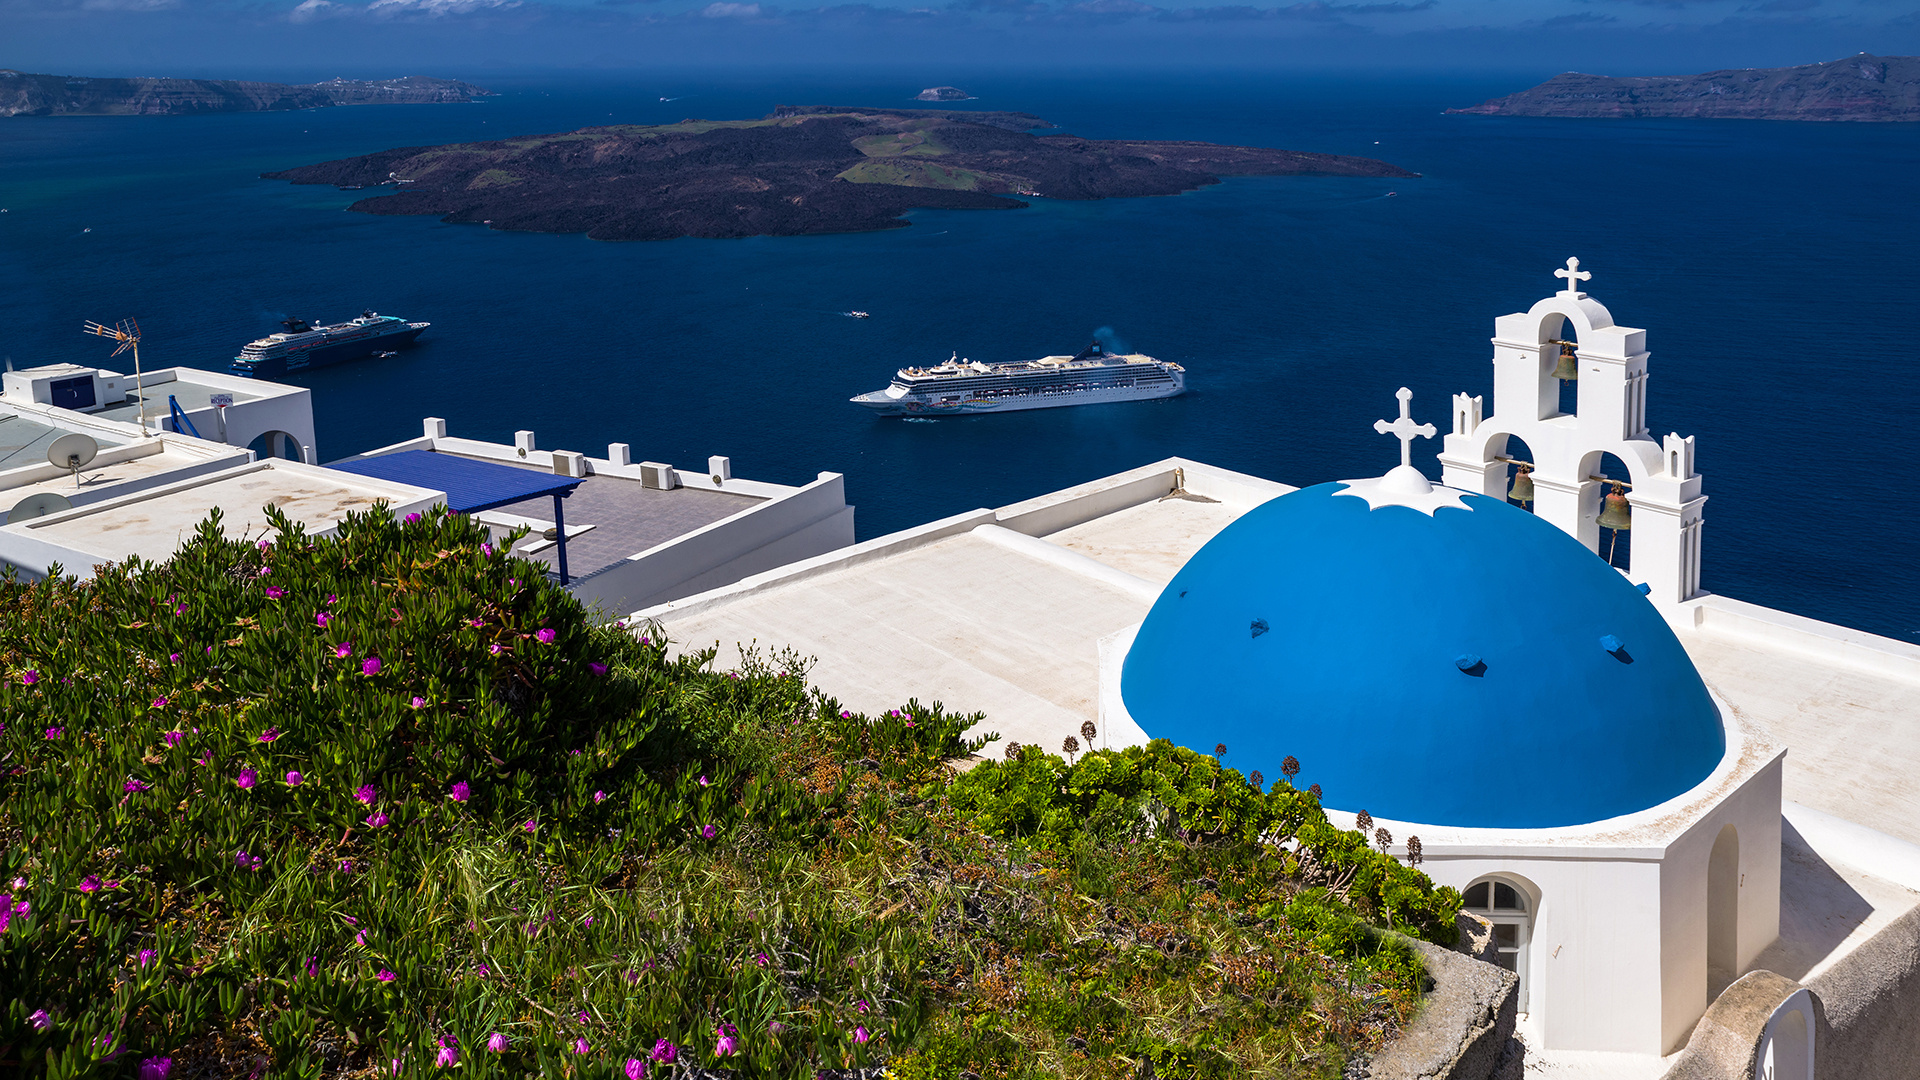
(628, 519)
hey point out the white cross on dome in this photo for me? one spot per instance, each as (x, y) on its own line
(1574, 276)
(1404, 428)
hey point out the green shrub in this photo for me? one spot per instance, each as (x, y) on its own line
(233, 841)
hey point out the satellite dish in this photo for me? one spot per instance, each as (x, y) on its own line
(71, 451)
(33, 506)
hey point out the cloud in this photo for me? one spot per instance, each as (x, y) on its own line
(435, 8)
(720, 9)
(310, 10)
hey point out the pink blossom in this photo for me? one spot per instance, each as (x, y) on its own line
(704, 782)
(156, 1068)
(90, 883)
(313, 967)
(460, 792)
(761, 959)
(861, 1035)
(275, 592)
(495, 649)
(846, 714)
(729, 1043)
(544, 636)
(346, 866)
(581, 1045)
(367, 794)
(147, 956)
(294, 779)
(411, 518)
(343, 650)
(419, 702)
(665, 1052)
(321, 618)
(599, 796)
(596, 667)
(498, 1043)
(331, 598)
(360, 938)
(860, 1007)
(388, 976)
(55, 732)
(30, 677)
(246, 779)
(377, 820)
(636, 1068)
(134, 787)
(173, 657)
(270, 734)
(530, 825)
(708, 832)
(265, 544)
(587, 922)
(160, 702)
(41, 1021)
(172, 738)
(487, 550)
(371, 666)
(449, 1054)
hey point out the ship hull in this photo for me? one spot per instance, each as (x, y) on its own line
(325, 354)
(883, 405)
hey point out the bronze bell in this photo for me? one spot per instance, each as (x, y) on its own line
(1567, 370)
(1522, 485)
(1615, 513)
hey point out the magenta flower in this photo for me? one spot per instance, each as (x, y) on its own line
(173, 738)
(156, 1068)
(135, 787)
(496, 649)
(377, 820)
(265, 544)
(371, 666)
(846, 714)
(331, 598)
(861, 1035)
(708, 832)
(160, 702)
(388, 976)
(148, 956)
(860, 1007)
(173, 657)
(449, 1054)
(275, 592)
(30, 677)
(246, 779)
(343, 650)
(599, 796)
(636, 1068)
(581, 1045)
(321, 618)
(498, 1043)
(596, 667)
(270, 734)
(729, 1044)
(367, 794)
(544, 636)
(411, 518)
(346, 866)
(55, 732)
(761, 959)
(41, 1021)
(89, 884)
(419, 702)
(530, 825)
(487, 550)
(313, 967)
(360, 938)
(587, 922)
(460, 792)
(294, 779)
(665, 1052)
(704, 782)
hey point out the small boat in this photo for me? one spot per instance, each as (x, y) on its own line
(858, 315)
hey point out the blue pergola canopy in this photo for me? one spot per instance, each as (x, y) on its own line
(471, 486)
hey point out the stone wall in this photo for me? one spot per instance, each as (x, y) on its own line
(1465, 1029)
(1871, 998)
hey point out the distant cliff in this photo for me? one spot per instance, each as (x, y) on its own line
(23, 94)
(805, 169)
(1860, 88)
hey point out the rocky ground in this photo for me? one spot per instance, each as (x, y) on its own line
(1861, 87)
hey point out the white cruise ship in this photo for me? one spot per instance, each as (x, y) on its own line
(967, 386)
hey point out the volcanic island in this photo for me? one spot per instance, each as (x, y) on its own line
(801, 170)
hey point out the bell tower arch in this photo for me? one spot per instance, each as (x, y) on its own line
(1610, 417)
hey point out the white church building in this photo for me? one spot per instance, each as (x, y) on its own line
(1647, 789)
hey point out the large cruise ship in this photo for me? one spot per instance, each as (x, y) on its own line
(303, 346)
(968, 386)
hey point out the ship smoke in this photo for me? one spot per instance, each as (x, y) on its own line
(1111, 341)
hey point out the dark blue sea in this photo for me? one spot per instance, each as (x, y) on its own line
(1772, 263)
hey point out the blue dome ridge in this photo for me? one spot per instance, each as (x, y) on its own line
(1446, 667)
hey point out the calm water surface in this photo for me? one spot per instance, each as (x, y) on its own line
(1770, 262)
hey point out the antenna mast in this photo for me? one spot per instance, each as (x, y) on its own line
(127, 333)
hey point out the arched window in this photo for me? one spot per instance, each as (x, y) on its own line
(1506, 906)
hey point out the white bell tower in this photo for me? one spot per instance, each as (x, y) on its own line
(1610, 417)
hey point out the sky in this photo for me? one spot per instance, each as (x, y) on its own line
(292, 40)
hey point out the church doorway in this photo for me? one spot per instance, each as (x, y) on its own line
(1723, 912)
(1506, 906)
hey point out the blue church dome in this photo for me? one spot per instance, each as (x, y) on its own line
(1461, 664)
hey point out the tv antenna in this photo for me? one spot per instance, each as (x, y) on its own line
(72, 451)
(127, 333)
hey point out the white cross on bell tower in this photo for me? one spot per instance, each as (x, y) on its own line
(1405, 429)
(1574, 276)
